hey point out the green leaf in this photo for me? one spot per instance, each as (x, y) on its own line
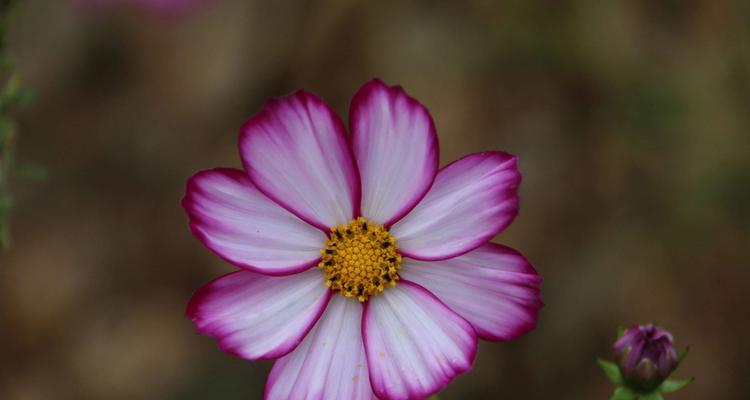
(655, 395)
(673, 385)
(5, 204)
(24, 97)
(620, 330)
(623, 393)
(611, 370)
(4, 131)
(681, 356)
(30, 171)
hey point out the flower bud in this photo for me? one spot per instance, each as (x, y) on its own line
(646, 356)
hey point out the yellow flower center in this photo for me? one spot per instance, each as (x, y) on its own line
(360, 259)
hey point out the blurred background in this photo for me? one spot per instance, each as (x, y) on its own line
(631, 121)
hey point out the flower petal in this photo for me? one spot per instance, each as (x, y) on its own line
(493, 287)
(257, 316)
(396, 147)
(472, 200)
(329, 364)
(295, 150)
(414, 343)
(237, 222)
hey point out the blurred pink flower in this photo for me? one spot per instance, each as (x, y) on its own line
(405, 245)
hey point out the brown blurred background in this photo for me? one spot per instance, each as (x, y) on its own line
(631, 120)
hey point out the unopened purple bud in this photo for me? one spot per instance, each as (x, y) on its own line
(646, 356)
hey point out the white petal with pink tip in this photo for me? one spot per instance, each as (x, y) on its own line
(493, 287)
(471, 201)
(243, 226)
(414, 343)
(329, 364)
(396, 147)
(256, 316)
(295, 150)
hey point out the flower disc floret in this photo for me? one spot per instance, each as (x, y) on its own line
(360, 259)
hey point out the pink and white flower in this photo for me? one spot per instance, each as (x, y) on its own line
(407, 280)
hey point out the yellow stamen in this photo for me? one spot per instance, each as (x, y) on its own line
(360, 259)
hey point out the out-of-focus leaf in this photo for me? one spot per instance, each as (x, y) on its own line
(673, 385)
(5, 204)
(623, 393)
(651, 396)
(13, 94)
(681, 356)
(611, 370)
(4, 131)
(31, 171)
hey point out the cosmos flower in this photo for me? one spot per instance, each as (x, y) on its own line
(364, 270)
(646, 356)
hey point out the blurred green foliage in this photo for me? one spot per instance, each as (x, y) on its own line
(12, 95)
